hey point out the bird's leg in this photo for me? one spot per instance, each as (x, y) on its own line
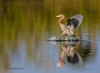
(61, 35)
(72, 33)
(66, 37)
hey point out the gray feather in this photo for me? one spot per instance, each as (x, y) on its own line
(77, 20)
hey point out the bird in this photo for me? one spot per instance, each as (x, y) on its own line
(72, 24)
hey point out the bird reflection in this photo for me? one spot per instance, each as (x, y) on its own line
(69, 54)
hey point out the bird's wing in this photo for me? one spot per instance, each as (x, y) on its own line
(76, 20)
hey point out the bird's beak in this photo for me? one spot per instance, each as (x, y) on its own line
(58, 16)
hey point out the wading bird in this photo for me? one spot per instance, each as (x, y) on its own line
(71, 26)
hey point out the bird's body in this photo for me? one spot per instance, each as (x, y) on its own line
(72, 24)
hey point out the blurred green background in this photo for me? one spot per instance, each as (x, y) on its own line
(25, 17)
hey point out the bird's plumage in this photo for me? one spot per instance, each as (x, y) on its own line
(76, 20)
(72, 24)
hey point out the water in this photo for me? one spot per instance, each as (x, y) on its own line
(26, 25)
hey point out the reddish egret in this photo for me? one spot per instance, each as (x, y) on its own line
(72, 24)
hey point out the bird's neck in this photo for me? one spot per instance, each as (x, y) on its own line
(60, 22)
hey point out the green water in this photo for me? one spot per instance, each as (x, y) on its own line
(25, 25)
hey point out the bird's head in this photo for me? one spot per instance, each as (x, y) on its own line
(61, 15)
